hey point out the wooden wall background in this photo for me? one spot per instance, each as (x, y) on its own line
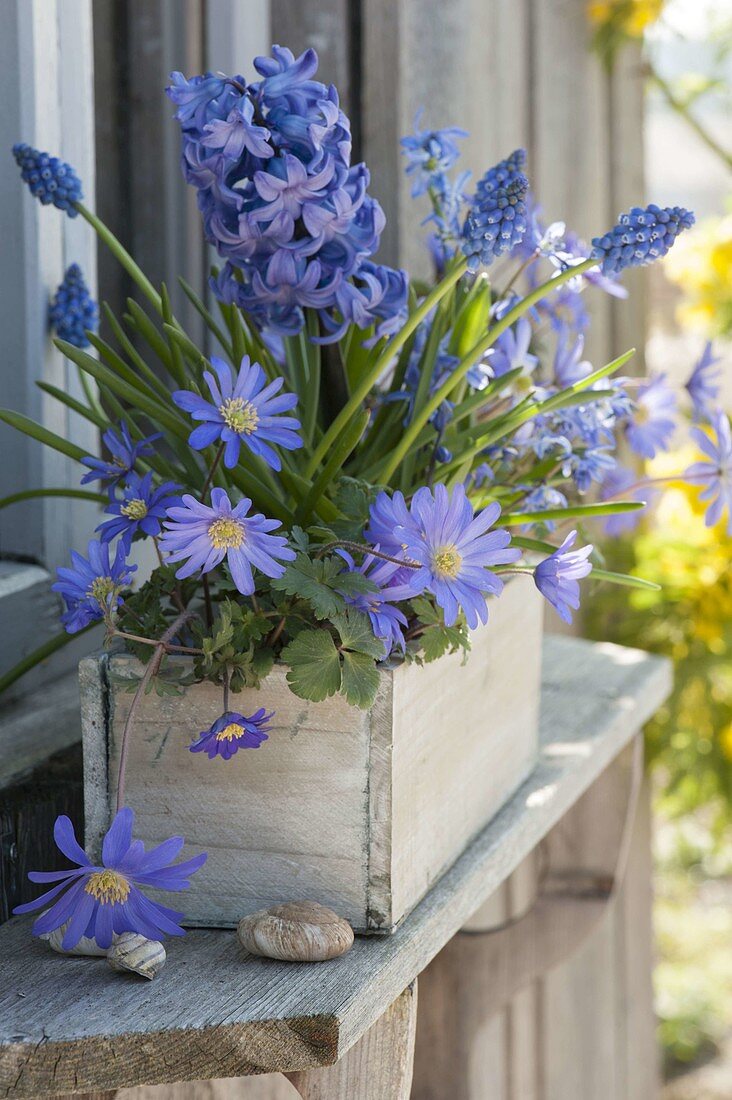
(80, 75)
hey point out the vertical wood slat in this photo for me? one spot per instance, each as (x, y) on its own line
(46, 66)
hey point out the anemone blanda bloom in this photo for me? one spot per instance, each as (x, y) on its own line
(456, 550)
(233, 731)
(99, 900)
(386, 619)
(557, 577)
(389, 519)
(92, 585)
(716, 470)
(203, 536)
(652, 423)
(141, 509)
(244, 410)
(124, 453)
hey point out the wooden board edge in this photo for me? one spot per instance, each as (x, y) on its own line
(379, 907)
(95, 704)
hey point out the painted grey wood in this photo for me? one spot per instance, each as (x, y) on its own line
(32, 729)
(214, 1012)
(46, 75)
(361, 810)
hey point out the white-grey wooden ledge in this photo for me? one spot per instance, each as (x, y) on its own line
(70, 1024)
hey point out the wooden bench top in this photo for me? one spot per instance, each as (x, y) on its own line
(70, 1024)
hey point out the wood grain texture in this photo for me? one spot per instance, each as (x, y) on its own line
(215, 1012)
(361, 811)
(378, 1067)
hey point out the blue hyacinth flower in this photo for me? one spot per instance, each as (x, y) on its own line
(100, 900)
(141, 509)
(73, 311)
(203, 536)
(640, 237)
(231, 732)
(244, 410)
(557, 576)
(124, 456)
(51, 180)
(93, 585)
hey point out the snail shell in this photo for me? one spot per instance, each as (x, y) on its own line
(85, 946)
(296, 932)
(135, 955)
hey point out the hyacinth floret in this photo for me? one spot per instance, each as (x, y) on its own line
(50, 179)
(280, 199)
(640, 237)
(73, 311)
(496, 223)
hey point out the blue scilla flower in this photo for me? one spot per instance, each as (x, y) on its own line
(231, 732)
(124, 453)
(702, 385)
(501, 175)
(557, 577)
(640, 237)
(588, 465)
(244, 410)
(140, 510)
(203, 536)
(569, 366)
(455, 551)
(496, 223)
(388, 581)
(715, 472)
(73, 311)
(99, 900)
(51, 180)
(652, 424)
(92, 585)
(541, 499)
(429, 154)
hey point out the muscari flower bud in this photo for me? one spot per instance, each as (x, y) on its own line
(51, 180)
(496, 223)
(73, 311)
(640, 237)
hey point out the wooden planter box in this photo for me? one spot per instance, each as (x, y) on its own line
(358, 810)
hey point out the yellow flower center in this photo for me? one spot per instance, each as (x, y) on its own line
(108, 887)
(641, 414)
(100, 589)
(135, 509)
(230, 732)
(239, 415)
(447, 561)
(226, 534)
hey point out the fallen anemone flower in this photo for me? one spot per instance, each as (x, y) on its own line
(102, 900)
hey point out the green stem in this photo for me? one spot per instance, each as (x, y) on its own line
(469, 360)
(120, 253)
(683, 111)
(390, 351)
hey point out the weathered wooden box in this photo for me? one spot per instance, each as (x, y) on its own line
(361, 811)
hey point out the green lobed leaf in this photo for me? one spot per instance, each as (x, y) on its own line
(356, 633)
(313, 581)
(359, 679)
(315, 665)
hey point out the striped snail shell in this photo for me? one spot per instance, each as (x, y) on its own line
(296, 932)
(134, 954)
(85, 946)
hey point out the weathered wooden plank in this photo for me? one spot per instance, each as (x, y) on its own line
(378, 1067)
(215, 1012)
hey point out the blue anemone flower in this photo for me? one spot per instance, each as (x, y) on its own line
(620, 483)
(651, 424)
(204, 536)
(389, 517)
(51, 180)
(455, 551)
(702, 384)
(231, 732)
(124, 453)
(93, 585)
(141, 508)
(640, 237)
(716, 470)
(244, 410)
(386, 620)
(102, 900)
(73, 312)
(557, 576)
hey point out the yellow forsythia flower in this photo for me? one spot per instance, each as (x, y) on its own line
(701, 266)
(628, 17)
